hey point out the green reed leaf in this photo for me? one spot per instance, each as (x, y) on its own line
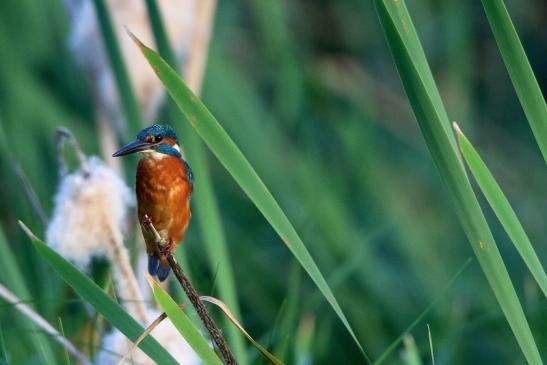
(239, 167)
(102, 303)
(519, 69)
(184, 325)
(433, 121)
(501, 207)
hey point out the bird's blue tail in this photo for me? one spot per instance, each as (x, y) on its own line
(155, 268)
(153, 264)
(163, 272)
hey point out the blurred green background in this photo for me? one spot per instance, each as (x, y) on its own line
(309, 92)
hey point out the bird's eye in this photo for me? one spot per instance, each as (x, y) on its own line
(158, 138)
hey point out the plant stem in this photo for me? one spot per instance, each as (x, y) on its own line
(206, 318)
(192, 294)
(43, 324)
(63, 135)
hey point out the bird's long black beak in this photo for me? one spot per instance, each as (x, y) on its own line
(135, 146)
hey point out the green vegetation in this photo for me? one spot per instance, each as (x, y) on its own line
(503, 210)
(325, 217)
(95, 296)
(433, 120)
(185, 326)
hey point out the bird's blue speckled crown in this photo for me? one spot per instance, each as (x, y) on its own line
(163, 130)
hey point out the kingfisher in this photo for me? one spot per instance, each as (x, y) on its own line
(164, 184)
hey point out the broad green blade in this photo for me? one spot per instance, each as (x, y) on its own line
(184, 325)
(205, 204)
(403, 40)
(239, 167)
(95, 296)
(519, 69)
(501, 207)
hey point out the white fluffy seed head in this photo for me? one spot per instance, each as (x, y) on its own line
(115, 345)
(90, 211)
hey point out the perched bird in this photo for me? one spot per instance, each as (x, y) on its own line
(164, 185)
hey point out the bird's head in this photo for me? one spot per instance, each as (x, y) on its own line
(157, 140)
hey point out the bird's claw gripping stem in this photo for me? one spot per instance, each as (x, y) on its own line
(147, 223)
(167, 248)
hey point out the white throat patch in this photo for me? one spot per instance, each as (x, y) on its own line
(153, 154)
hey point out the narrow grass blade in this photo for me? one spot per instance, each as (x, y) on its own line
(184, 325)
(501, 207)
(95, 296)
(403, 41)
(235, 162)
(520, 71)
(206, 207)
(389, 350)
(430, 339)
(411, 355)
(44, 325)
(127, 97)
(271, 358)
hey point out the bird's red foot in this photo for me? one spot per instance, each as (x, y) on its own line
(167, 248)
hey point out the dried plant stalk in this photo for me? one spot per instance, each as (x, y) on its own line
(8, 296)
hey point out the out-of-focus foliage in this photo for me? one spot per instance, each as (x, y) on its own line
(309, 92)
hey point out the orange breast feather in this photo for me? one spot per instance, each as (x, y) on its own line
(163, 193)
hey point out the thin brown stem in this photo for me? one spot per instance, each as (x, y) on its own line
(194, 297)
(206, 318)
